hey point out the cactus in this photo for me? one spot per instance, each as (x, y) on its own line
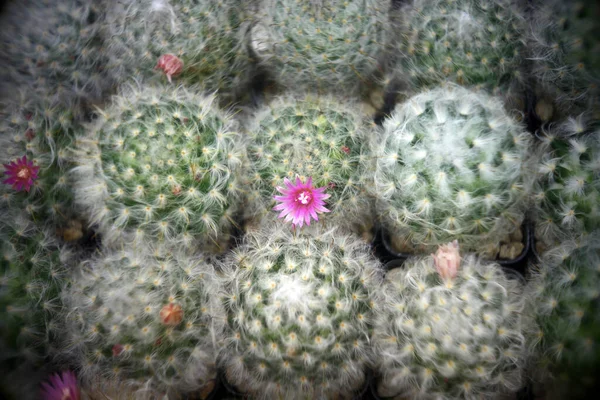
(299, 313)
(54, 48)
(567, 191)
(311, 138)
(459, 338)
(326, 46)
(159, 165)
(452, 164)
(147, 317)
(564, 46)
(476, 43)
(563, 300)
(208, 36)
(41, 132)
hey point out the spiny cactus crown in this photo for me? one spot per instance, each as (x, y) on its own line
(471, 42)
(304, 137)
(160, 164)
(564, 45)
(567, 190)
(208, 36)
(451, 164)
(449, 339)
(148, 317)
(299, 310)
(32, 269)
(326, 46)
(42, 133)
(563, 300)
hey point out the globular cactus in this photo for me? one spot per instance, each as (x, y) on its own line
(563, 300)
(54, 48)
(145, 317)
(458, 337)
(304, 138)
(40, 132)
(327, 46)
(209, 37)
(159, 165)
(452, 164)
(564, 46)
(299, 313)
(476, 43)
(567, 191)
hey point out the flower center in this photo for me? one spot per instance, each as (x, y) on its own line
(66, 394)
(24, 173)
(304, 197)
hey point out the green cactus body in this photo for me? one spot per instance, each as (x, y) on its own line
(567, 191)
(159, 165)
(477, 43)
(208, 36)
(147, 317)
(299, 313)
(318, 138)
(42, 133)
(564, 44)
(449, 339)
(329, 46)
(452, 164)
(563, 300)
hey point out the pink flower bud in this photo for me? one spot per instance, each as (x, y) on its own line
(117, 349)
(171, 314)
(170, 64)
(447, 260)
(346, 149)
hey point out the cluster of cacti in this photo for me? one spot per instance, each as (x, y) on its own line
(477, 43)
(454, 338)
(567, 191)
(325, 46)
(299, 311)
(146, 317)
(208, 37)
(54, 49)
(311, 137)
(159, 165)
(452, 164)
(563, 299)
(564, 46)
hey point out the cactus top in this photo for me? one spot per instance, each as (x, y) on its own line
(451, 164)
(159, 164)
(299, 310)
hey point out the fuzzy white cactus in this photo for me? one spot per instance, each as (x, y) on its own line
(299, 313)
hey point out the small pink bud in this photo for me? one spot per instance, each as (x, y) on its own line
(331, 185)
(447, 260)
(170, 64)
(117, 349)
(346, 149)
(171, 314)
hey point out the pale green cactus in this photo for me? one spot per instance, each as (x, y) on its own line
(452, 164)
(453, 338)
(299, 313)
(159, 165)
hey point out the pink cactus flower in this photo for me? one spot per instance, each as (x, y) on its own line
(21, 174)
(300, 202)
(171, 314)
(170, 64)
(61, 387)
(447, 260)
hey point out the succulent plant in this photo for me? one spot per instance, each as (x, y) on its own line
(457, 338)
(159, 165)
(567, 191)
(563, 300)
(306, 138)
(147, 317)
(208, 36)
(299, 313)
(328, 46)
(53, 47)
(452, 164)
(564, 45)
(476, 43)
